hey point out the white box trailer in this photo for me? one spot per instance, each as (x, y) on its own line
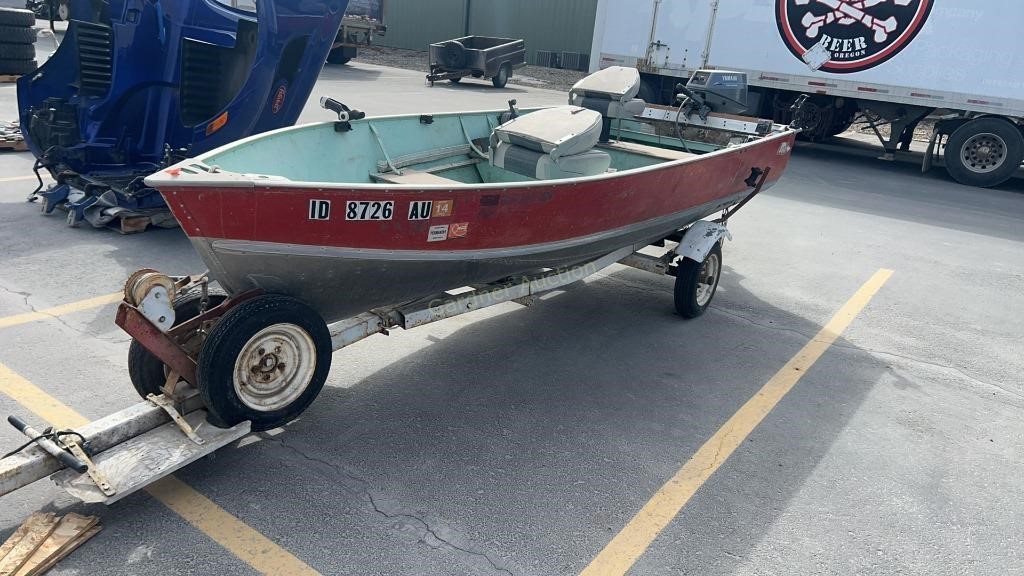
(885, 61)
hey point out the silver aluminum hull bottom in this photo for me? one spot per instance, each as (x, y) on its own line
(342, 282)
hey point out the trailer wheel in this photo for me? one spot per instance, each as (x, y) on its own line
(63, 10)
(504, 73)
(147, 372)
(696, 283)
(17, 17)
(265, 361)
(455, 80)
(984, 152)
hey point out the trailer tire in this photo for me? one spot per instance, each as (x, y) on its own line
(453, 55)
(17, 51)
(147, 372)
(984, 152)
(240, 377)
(504, 73)
(17, 17)
(696, 283)
(18, 34)
(17, 67)
(455, 80)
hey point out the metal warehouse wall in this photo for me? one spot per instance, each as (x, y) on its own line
(416, 23)
(554, 25)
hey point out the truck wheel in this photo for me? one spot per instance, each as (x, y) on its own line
(696, 283)
(17, 17)
(146, 371)
(984, 152)
(337, 56)
(63, 11)
(18, 34)
(8, 66)
(17, 51)
(815, 118)
(265, 361)
(501, 79)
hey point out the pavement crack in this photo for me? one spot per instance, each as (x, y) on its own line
(26, 298)
(428, 529)
(939, 365)
(22, 294)
(880, 352)
(760, 324)
(360, 488)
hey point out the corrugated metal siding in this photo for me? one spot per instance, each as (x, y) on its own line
(415, 24)
(553, 25)
(550, 25)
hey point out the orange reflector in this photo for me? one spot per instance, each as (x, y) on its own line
(217, 123)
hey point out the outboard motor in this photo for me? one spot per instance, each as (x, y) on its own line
(722, 91)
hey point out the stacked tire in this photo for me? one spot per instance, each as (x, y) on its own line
(17, 41)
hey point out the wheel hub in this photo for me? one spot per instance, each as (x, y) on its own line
(708, 279)
(275, 367)
(984, 153)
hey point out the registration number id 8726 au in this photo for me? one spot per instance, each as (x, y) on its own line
(369, 210)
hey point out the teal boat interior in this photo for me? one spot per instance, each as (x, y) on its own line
(604, 130)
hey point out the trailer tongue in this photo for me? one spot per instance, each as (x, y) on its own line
(132, 449)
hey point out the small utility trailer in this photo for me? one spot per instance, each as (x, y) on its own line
(476, 56)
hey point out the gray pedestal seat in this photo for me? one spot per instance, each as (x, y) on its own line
(610, 92)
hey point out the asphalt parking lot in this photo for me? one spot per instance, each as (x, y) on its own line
(523, 440)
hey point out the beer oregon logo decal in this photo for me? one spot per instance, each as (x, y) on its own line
(845, 36)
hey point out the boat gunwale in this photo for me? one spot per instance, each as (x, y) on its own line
(165, 179)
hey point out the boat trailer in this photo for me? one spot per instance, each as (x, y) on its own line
(110, 458)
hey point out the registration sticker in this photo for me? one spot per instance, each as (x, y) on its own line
(442, 209)
(438, 233)
(369, 210)
(460, 230)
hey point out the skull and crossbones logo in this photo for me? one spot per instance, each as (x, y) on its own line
(848, 12)
(844, 36)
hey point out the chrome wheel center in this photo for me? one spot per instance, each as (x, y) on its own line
(984, 153)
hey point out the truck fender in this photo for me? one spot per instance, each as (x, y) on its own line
(699, 239)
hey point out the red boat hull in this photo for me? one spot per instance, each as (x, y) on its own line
(271, 236)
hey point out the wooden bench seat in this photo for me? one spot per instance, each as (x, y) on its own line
(415, 177)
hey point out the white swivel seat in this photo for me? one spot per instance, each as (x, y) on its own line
(610, 92)
(550, 144)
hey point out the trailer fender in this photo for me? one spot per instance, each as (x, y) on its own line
(700, 239)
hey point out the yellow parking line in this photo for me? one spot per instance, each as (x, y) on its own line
(60, 310)
(240, 539)
(633, 540)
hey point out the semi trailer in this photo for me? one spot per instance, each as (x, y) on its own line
(888, 63)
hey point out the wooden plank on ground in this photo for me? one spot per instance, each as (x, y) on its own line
(64, 535)
(40, 527)
(71, 547)
(7, 546)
